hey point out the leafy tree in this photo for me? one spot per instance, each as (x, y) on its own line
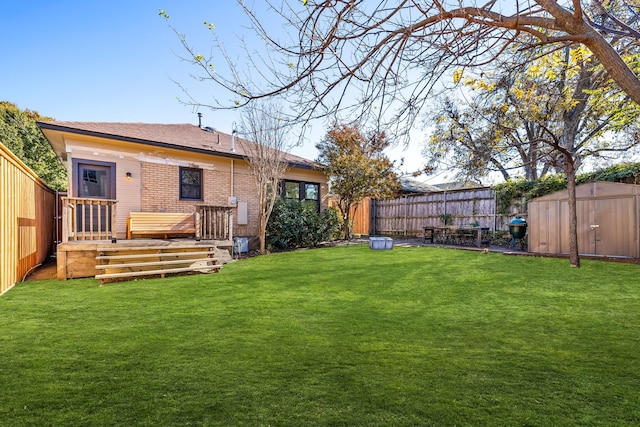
(357, 168)
(486, 130)
(266, 155)
(471, 139)
(501, 123)
(20, 134)
(555, 111)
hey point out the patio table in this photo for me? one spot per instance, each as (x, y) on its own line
(455, 235)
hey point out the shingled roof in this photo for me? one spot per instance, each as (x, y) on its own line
(182, 136)
(409, 184)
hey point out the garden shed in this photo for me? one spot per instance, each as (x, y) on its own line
(608, 221)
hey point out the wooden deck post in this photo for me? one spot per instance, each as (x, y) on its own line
(198, 226)
(65, 221)
(112, 226)
(61, 272)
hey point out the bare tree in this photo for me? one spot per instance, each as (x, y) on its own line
(265, 150)
(382, 60)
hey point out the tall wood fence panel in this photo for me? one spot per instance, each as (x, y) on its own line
(409, 215)
(360, 215)
(26, 219)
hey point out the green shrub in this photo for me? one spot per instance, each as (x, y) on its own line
(623, 172)
(295, 224)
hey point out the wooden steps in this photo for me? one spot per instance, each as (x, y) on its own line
(138, 261)
(147, 255)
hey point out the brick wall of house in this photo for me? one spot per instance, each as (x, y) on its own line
(161, 192)
(246, 191)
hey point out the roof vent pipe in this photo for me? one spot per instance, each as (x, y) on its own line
(233, 137)
(200, 120)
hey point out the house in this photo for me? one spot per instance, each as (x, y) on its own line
(116, 169)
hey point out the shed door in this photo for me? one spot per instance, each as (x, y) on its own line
(607, 227)
(587, 227)
(613, 231)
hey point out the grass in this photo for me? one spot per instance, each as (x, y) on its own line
(330, 337)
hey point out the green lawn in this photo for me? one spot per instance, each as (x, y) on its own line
(330, 337)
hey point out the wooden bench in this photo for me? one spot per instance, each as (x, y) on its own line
(163, 224)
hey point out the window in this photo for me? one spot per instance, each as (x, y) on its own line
(94, 183)
(190, 184)
(303, 191)
(311, 191)
(292, 190)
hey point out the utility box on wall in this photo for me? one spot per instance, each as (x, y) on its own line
(242, 213)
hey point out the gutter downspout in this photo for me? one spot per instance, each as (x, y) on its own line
(233, 150)
(231, 212)
(445, 208)
(232, 178)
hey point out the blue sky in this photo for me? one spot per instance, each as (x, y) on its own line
(117, 61)
(100, 61)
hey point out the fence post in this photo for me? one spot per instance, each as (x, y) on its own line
(406, 207)
(373, 217)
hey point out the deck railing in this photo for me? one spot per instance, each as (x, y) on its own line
(216, 222)
(88, 219)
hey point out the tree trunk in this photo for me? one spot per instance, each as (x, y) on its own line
(574, 256)
(346, 218)
(262, 230)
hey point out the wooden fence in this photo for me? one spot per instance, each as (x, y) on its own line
(360, 216)
(408, 215)
(27, 213)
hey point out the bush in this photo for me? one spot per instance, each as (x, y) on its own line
(521, 190)
(295, 224)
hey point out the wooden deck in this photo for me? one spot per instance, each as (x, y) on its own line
(79, 258)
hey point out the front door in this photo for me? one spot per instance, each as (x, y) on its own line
(94, 181)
